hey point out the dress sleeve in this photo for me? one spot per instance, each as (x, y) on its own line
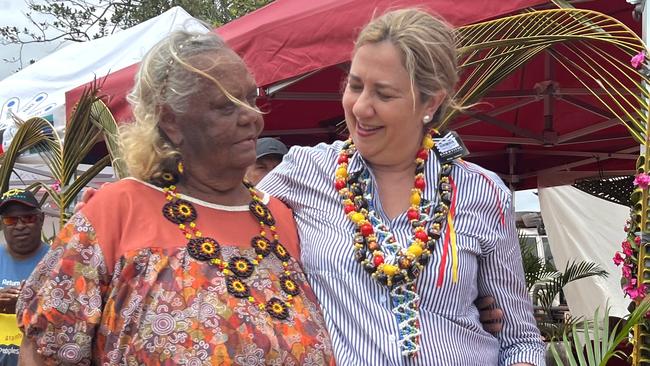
(60, 306)
(501, 276)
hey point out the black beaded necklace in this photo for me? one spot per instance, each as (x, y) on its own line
(238, 268)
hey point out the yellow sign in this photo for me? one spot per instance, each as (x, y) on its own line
(9, 332)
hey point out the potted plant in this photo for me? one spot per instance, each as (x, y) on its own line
(593, 342)
(545, 285)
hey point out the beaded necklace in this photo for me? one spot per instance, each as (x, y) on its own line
(375, 247)
(237, 268)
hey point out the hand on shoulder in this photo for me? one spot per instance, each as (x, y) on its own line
(86, 196)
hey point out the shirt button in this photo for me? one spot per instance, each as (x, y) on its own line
(382, 298)
(391, 338)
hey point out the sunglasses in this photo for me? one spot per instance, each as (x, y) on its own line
(25, 219)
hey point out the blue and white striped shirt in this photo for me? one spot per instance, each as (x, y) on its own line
(357, 310)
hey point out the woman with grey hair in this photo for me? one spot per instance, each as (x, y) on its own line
(184, 262)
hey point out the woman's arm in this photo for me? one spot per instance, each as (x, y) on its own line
(501, 275)
(60, 306)
(28, 355)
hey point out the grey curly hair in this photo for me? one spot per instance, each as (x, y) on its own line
(166, 78)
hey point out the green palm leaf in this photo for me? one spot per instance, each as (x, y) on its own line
(101, 116)
(491, 51)
(578, 270)
(90, 122)
(81, 135)
(553, 285)
(600, 341)
(35, 133)
(83, 180)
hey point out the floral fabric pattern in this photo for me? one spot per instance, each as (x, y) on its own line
(160, 306)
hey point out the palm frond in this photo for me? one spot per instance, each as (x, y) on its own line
(547, 290)
(81, 134)
(583, 269)
(581, 41)
(89, 122)
(600, 342)
(34, 133)
(101, 116)
(49, 191)
(83, 179)
(536, 269)
(545, 294)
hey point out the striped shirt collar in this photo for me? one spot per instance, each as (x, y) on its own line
(357, 163)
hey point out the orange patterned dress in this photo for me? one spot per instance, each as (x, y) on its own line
(118, 287)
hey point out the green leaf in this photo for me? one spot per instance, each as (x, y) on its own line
(579, 345)
(490, 51)
(90, 122)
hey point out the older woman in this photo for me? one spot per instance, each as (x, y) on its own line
(399, 236)
(185, 263)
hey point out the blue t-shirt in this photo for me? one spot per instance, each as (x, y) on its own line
(12, 272)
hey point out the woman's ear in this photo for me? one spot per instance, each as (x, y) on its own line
(434, 102)
(168, 124)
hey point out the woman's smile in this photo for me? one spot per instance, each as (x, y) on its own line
(367, 130)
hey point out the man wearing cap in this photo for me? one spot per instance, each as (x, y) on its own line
(269, 154)
(22, 221)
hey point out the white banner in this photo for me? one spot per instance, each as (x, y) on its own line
(583, 227)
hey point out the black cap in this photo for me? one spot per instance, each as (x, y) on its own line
(19, 196)
(268, 145)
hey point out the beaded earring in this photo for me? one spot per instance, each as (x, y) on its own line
(171, 173)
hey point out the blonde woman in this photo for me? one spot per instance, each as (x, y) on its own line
(398, 236)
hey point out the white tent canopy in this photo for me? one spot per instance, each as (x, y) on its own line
(39, 89)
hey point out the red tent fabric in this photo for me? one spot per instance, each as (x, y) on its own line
(288, 38)
(298, 52)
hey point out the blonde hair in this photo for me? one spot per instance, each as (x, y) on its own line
(166, 78)
(428, 48)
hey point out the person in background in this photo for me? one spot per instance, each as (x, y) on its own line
(269, 154)
(22, 222)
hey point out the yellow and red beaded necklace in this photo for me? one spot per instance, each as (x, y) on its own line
(375, 247)
(368, 251)
(237, 268)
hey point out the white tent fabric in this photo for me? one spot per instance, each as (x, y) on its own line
(583, 227)
(39, 89)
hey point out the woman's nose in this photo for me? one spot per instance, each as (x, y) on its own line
(248, 114)
(362, 107)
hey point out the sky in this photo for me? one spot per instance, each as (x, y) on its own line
(526, 201)
(12, 14)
